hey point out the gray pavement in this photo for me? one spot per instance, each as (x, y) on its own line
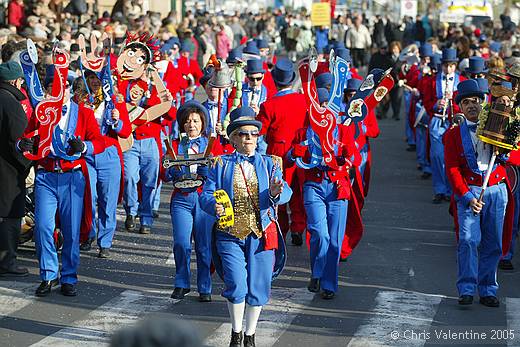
(397, 289)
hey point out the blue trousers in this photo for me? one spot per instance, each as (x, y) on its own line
(62, 193)
(247, 268)
(410, 138)
(141, 165)
(421, 139)
(439, 179)
(104, 171)
(187, 218)
(157, 197)
(511, 252)
(326, 221)
(480, 242)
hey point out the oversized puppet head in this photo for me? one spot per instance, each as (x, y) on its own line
(138, 53)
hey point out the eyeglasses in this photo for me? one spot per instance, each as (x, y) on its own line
(252, 133)
(255, 78)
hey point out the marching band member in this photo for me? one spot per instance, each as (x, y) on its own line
(250, 253)
(281, 116)
(187, 216)
(190, 70)
(482, 231)
(326, 192)
(254, 93)
(105, 168)
(62, 189)
(438, 102)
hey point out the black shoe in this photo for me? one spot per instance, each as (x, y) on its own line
(130, 223)
(327, 294)
(104, 253)
(437, 199)
(86, 246)
(426, 175)
(465, 299)
(68, 289)
(314, 285)
(236, 339)
(249, 341)
(446, 198)
(490, 301)
(179, 293)
(155, 214)
(411, 148)
(205, 297)
(343, 260)
(505, 265)
(145, 230)
(397, 118)
(14, 271)
(296, 239)
(45, 287)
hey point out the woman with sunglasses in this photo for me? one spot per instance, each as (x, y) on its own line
(187, 216)
(249, 254)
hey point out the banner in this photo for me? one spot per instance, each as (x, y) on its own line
(320, 14)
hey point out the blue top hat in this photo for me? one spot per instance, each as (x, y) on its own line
(353, 84)
(495, 46)
(240, 117)
(483, 84)
(185, 110)
(436, 61)
(186, 46)
(251, 48)
(449, 55)
(467, 89)
(254, 66)
(344, 53)
(234, 56)
(261, 43)
(165, 47)
(477, 65)
(323, 95)
(482, 38)
(174, 41)
(323, 80)
(426, 50)
(283, 72)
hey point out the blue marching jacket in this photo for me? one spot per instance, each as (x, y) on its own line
(221, 177)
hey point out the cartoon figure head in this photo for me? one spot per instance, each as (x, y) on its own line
(136, 55)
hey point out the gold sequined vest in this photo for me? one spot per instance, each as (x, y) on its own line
(247, 217)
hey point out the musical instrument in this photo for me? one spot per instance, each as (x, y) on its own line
(499, 123)
(48, 111)
(228, 219)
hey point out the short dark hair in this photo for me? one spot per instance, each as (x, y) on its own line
(142, 47)
(182, 117)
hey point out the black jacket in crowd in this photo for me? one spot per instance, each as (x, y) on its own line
(13, 165)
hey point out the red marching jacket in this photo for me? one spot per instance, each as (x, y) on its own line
(433, 92)
(88, 130)
(282, 116)
(462, 172)
(346, 149)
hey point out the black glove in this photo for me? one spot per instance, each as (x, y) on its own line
(27, 145)
(76, 145)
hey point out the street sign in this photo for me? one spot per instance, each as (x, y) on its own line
(409, 8)
(320, 14)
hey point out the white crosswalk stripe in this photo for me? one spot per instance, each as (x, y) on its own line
(396, 311)
(14, 296)
(96, 328)
(275, 319)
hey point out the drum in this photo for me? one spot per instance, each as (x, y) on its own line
(494, 131)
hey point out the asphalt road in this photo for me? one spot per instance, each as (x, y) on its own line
(397, 289)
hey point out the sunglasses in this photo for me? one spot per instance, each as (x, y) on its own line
(255, 78)
(252, 133)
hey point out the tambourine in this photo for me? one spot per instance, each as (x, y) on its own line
(228, 219)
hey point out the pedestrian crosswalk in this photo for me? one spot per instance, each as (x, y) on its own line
(391, 311)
